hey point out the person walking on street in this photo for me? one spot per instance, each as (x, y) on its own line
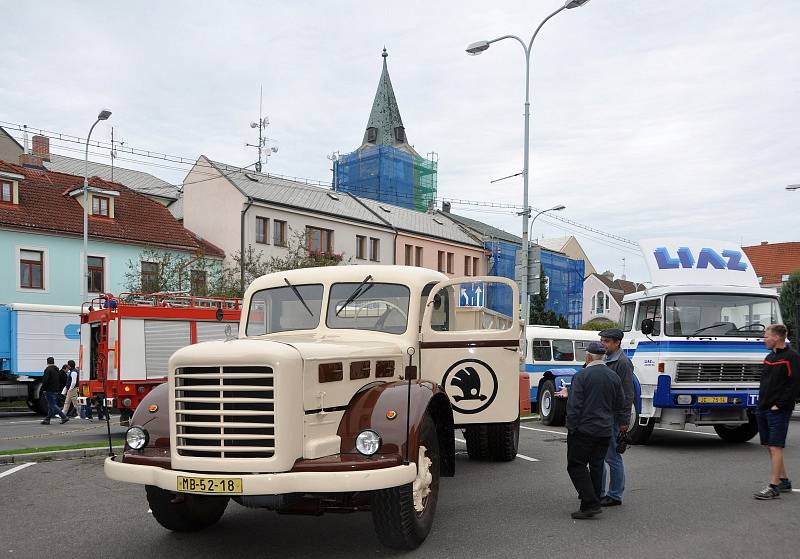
(596, 402)
(777, 392)
(71, 389)
(51, 384)
(617, 361)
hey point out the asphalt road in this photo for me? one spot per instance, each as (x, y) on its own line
(688, 495)
(24, 430)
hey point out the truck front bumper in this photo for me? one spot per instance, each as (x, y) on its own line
(668, 396)
(267, 483)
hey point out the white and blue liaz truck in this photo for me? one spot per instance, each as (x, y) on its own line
(29, 334)
(695, 338)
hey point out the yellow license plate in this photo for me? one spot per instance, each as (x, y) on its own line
(209, 484)
(713, 399)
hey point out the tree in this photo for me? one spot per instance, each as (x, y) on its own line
(538, 313)
(157, 270)
(789, 300)
(597, 324)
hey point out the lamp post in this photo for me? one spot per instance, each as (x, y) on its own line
(477, 48)
(557, 208)
(102, 115)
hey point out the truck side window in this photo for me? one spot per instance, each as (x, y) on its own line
(650, 309)
(627, 316)
(440, 316)
(540, 350)
(563, 350)
(580, 350)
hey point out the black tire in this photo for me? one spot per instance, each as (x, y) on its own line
(495, 442)
(192, 513)
(397, 523)
(477, 437)
(639, 434)
(737, 433)
(552, 410)
(37, 402)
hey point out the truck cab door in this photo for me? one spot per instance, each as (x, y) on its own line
(473, 351)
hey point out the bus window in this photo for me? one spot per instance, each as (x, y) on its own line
(627, 316)
(580, 350)
(540, 350)
(563, 350)
(650, 309)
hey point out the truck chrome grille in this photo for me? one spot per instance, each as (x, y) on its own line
(225, 412)
(718, 372)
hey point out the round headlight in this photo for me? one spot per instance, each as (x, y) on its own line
(368, 442)
(136, 437)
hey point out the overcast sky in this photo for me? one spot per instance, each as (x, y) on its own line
(650, 117)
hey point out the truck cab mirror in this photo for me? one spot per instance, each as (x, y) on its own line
(647, 326)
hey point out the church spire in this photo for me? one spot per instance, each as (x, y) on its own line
(385, 127)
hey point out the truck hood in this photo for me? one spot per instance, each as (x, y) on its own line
(321, 347)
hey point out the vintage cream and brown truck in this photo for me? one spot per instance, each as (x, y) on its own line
(340, 393)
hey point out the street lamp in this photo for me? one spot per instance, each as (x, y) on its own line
(102, 115)
(557, 208)
(793, 187)
(479, 47)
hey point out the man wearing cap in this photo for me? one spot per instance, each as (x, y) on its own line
(617, 361)
(596, 403)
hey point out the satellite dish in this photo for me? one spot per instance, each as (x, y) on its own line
(253, 125)
(274, 149)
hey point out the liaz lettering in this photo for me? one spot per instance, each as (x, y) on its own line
(728, 260)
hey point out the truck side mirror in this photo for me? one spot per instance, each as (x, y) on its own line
(647, 326)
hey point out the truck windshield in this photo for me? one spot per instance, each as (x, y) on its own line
(279, 309)
(719, 314)
(382, 307)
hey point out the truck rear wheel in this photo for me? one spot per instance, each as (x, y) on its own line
(403, 515)
(184, 512)
(497, 442)
(37, 401)
(738, 433)
(553, 410)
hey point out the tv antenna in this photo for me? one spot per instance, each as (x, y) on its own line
(264, 149)
(113, 151)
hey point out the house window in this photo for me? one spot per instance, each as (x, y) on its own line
(96, 270)
(149, 277)
(6, 192)
(319, 241)
(476, 267)
(467, 266)
(262, 230)
(418, 255)
(199, 282)
(400, 134)
(279, 233)
(607, 298)
(594, 297)
(440, 261)
(31, 269)
(372, 134)
(600, 302)
(361, 247)
(450, 259)
(100, 205)
(409, 255)
(374, 249)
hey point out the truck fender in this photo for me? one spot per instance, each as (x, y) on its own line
(372, 407)
(637, 393)
(156, 422)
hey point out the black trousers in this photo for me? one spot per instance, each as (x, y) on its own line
(583, 451)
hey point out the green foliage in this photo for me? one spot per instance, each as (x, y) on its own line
(597, 324)
(789, 299)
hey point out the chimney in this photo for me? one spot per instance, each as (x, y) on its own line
(41, 147)
(446, 207)
(31, 161)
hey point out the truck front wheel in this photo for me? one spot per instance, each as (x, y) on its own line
(403, 515)
(552, 409)
(637, 433)
(37, 401)
(184, 512)
(738, 433)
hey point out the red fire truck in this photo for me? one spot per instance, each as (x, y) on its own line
(126, 341)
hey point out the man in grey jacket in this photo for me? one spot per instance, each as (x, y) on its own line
(617, 361)
(595, 404)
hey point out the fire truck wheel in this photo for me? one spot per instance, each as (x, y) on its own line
(184, 512)
(553, 410)
(403, 515)
(495, 442)
(737, 433)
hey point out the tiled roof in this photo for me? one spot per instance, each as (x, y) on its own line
(46, 206)
(139, 181)
(619, 287)
(295, 194)
(484, 230)
(774, 260)
(421, 223)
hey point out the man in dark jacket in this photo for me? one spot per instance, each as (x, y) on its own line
(617, 361)
(777, 392)
(52, 385)
(596, 402)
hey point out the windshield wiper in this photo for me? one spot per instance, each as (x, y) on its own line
(356, 293)
(704, 328)
(299, 297)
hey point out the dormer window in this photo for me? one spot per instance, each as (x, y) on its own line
(9, 187)
(372, 134)
(101, 206)
(7, 192)
(400, 134)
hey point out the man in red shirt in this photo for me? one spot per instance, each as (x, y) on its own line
(777, 392)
